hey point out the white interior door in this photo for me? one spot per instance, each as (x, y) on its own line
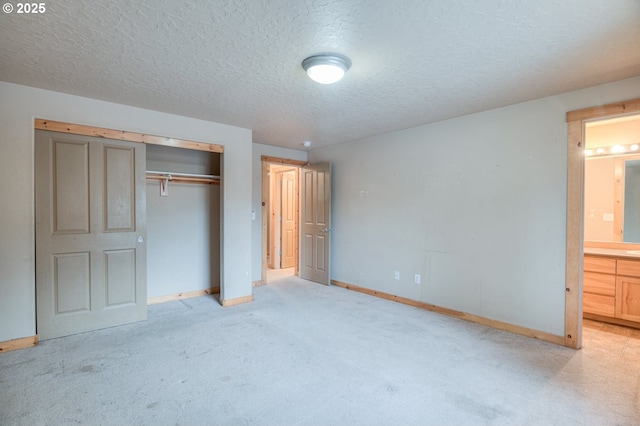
(315, 222)
(90, 233)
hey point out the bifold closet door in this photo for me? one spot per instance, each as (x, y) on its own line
(90, 233)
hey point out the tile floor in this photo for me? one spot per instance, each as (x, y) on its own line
(614, 339)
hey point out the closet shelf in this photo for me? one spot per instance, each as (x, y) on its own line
(182, 177)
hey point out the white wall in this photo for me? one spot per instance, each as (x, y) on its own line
(476, 205)
(19, 105)
(256, 201)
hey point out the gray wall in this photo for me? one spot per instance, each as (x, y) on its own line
(19, 105)
(476, 205)
(183, 228)
(256, 200)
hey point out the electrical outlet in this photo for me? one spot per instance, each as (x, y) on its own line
(396, 275)
(607, 217)
(416, 278)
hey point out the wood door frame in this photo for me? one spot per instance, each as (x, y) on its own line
(267, 161)
(576, 121)
(123, 135)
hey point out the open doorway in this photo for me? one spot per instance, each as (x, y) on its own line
(280, 217)
(611, 274)
(312, 235)
(577, 122)
(282, 226)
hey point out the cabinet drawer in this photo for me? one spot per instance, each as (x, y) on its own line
(598, 304)
(599, 283)
(630, 268)
(603, 265)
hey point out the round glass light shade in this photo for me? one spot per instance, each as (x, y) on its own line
(325, 74)
(326, 68)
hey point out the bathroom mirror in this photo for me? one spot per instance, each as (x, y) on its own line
(631, 228)
(612, 181)
(612, 199)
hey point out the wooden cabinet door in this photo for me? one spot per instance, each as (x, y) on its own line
(628, 298)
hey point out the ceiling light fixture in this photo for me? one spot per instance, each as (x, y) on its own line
(326, 68)
(307, 144)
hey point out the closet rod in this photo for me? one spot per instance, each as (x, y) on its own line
(193, 175)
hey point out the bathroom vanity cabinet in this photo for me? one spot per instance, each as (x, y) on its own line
(611, 286)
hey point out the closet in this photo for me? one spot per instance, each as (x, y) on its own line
(183, 222)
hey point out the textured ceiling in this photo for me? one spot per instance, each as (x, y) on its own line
(238, 62)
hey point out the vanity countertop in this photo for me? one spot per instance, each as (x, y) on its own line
(632, 254)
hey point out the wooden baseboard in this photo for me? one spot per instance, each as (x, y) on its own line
(616, 321)
(182, 295)
(516, 329)
(15, 344)
(237, 301)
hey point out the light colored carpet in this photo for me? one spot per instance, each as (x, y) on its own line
(307, 354)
